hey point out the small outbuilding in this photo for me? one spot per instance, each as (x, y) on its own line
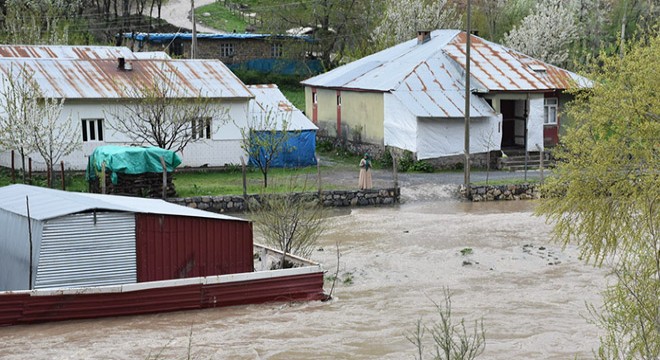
(271, 111)
(57, 239)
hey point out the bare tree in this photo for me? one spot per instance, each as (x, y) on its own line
(53, 136)
(451, 341)
(291, 222)
(163, 115)
(265, 137)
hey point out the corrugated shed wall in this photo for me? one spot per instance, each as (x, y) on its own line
(175, 247)
(88, 249)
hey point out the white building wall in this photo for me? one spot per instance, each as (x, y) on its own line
(223, 148)
(535, 123)
(399, 125)
(441, 137)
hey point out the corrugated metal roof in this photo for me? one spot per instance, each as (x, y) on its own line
(65, 52)
(442, 103)
(268, 97)
(441, 60)
(160, 38)
(97, 79)
(50, 203)
(385, 70)
(499, 68)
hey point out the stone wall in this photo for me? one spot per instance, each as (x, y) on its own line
(335, 198)
(501, 192)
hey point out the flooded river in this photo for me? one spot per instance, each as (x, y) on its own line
(394, 262)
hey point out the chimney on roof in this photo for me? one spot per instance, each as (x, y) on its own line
(121, 63)
(423, 36)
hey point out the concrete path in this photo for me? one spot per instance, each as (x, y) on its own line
(177, 12)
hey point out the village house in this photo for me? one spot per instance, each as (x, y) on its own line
(412, 96)
(99, 82)
(282, 54)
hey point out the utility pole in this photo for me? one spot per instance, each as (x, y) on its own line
(466, 165)
(193, 44)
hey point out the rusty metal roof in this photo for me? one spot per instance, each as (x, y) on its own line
(429, 77)
(268, 97)
(102, 79)
(498, 68)
(65, 52)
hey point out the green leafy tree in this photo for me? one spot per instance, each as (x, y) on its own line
(338, 27)
(54, 22)
(605, 195)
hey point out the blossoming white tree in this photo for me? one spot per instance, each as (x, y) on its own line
(403, 18)
(546, 33)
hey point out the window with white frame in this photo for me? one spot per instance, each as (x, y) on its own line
(226, 49)
(315, 98)
(276, 50)
(550, 111)
(92, 130)
(201, 128)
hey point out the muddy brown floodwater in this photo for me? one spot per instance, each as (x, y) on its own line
(394, 263)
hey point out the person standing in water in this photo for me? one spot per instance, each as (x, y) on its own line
(364, 180)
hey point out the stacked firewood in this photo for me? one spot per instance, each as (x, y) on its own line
(141, 185)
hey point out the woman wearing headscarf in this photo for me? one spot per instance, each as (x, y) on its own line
(364, 180)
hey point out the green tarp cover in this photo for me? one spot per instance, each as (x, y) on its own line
(129, 160)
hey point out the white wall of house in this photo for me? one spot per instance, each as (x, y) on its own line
(400, 125)
(223, 148)
(535, 123)
(439, 137)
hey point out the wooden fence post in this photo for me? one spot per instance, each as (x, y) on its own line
(62, 172)
(318, 173)
(13, 168)
(103, 177)
(243, 169)
(162, 163)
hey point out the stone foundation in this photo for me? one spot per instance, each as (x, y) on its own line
(501, 192)
(336, 198)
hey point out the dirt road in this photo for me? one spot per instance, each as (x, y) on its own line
(177, 12)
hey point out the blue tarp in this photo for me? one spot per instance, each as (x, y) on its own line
(298, 151)
(280, 66)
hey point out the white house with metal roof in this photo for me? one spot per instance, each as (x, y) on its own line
(97, 83)
(412, 96)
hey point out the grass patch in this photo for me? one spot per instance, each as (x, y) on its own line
(231, 183)
(207, 183)
(220, 18)
(295, 94)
